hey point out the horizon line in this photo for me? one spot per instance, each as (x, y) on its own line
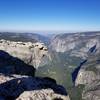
(48, 31)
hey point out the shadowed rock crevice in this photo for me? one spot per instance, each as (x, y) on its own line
(75, 72)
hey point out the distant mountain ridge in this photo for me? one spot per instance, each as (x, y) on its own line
(24, 37)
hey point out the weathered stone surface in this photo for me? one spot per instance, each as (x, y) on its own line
(35, 54)
(44, 94)
(92, 91)
(85, 77)
(11, 86)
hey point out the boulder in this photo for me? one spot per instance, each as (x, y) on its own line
(25, 87)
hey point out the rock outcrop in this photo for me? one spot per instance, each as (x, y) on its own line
(18, 60)
(44, 94)
(85, 77)
(89, 76)
(35, 54)
(77, 44)
(28, 88)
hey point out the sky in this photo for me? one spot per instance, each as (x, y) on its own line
(49, 15)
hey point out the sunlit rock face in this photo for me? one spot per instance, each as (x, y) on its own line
(35, 54)
(89, 76)
(44, 94)
(64, 44)
(85, 77)
(89, 71)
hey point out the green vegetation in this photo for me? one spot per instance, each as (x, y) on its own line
(75, 93)
(60, 70)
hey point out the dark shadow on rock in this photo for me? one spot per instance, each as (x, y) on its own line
(92, 49)
(98, 61)
(13, 65)
(75, 72)
(13, 88)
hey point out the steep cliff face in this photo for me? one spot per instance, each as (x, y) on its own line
(85, 77)
(89, 76)
(77, 44)
(92, 91)
(35, 54)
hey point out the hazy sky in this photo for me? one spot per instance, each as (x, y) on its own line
(49, 15)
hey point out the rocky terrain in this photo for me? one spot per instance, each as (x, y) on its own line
(31, 53)
(18, 63)
(71, 60)
(30, 88)
(89, 76)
